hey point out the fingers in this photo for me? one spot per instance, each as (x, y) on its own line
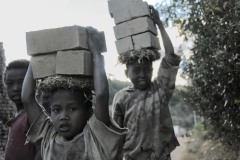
(151, 7)
(154, 14)
(91, 30)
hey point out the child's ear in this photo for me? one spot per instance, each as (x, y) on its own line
(126, 73)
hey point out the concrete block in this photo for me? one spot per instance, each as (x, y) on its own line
(146, 40)
(52, 40)
(124, 44)
(135, 26)
(43, 65)
(74, 62)
(126, 10)
(57, 39)
(102, 42)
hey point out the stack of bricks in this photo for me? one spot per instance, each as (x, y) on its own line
(6, 106)
(134, 27)
(61, 51)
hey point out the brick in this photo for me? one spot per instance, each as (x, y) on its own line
(124, 44)
(43, 65)
(103, 42)
(75, 62)
(52, 40)
(58, 39)
(146, 40)
(135, 26)
(126, 10)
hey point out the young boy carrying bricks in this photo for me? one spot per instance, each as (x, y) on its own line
(16, 148)
(143, 108)
(72, 132)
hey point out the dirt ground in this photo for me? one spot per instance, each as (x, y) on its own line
(180, 151)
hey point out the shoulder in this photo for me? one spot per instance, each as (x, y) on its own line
(122, 94)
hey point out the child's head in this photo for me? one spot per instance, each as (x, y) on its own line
(140, 73)
(70, 102)
(13, 78)
(139, 66)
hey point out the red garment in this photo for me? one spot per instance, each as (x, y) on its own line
(16, 148)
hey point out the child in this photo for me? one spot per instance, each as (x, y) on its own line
(72, 132)
(16, 148)
(143, 108)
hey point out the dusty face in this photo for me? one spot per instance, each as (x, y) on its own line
(69, 113)
(14, 81)
(140, 74)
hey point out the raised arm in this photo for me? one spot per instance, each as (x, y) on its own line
(28, 96)
(169, 66)
(100, 79)
(166, 40)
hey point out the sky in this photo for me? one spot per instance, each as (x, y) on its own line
(21, 16)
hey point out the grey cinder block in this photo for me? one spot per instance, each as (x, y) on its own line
(74, 62)
(146, 40)
(103, 42)
(125, 10)
(52, 40)
(124, 44)
(43, 65)
(135, 26)
(58, 39)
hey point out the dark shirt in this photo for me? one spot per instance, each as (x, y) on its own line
(16, 148)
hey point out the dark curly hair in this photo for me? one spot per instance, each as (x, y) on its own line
(16, 64)
(81, 84)
(139, 54)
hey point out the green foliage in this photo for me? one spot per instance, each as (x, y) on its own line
(201, 146)
(115, 86)
(214, 67)
(182, 114)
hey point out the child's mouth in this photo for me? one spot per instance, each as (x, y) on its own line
(64, 127)
(16, 97)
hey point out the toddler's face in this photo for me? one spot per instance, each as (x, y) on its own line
(140, 74)
(69, 113)
(14, 80)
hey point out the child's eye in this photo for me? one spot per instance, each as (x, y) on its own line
(148, 70)
(136, 71)
(72, 109)
(55, 110)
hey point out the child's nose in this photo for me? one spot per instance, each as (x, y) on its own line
(64, 116)
(142, 74)
(16, 87)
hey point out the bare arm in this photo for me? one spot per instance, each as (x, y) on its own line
(168, 69)
(100, 79)
(28, 96)
(166, 40)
